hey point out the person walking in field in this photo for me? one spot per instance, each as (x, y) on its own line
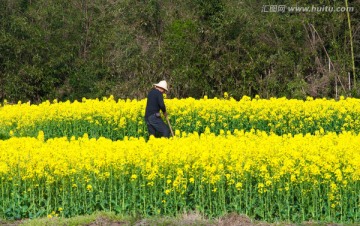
(155, 103)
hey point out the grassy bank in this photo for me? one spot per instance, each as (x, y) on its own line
(111, 219)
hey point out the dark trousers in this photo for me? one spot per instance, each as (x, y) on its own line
(156, 124)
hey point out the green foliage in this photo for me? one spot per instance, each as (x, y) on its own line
(69, 50)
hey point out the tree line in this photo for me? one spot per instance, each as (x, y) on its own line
(92, 48)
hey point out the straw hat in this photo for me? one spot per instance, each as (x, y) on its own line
(162, 84)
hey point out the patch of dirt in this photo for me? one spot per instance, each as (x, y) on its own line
(237, 220)
(193, 219)
(101, 221)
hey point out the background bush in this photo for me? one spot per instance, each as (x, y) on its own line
(52, 49)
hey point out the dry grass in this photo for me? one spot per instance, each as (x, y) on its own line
(186, 219)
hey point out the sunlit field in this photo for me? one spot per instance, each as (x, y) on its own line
(271, 159)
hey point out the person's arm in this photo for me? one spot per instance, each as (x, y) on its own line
(162, 104)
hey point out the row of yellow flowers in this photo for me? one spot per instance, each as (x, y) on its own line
(117, 119)
(271, 177)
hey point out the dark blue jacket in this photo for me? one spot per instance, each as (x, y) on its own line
(155, 103)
